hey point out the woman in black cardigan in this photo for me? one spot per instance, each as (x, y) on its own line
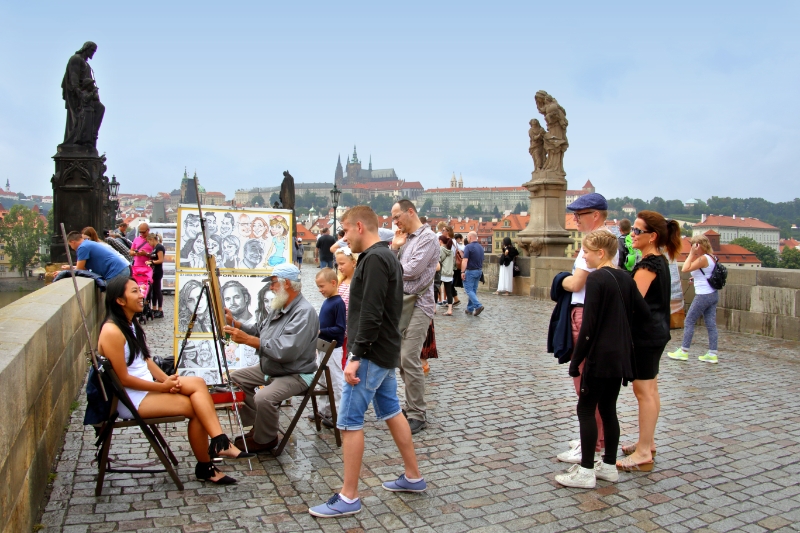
(605, 342)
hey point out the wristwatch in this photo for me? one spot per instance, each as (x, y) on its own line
(353, 357)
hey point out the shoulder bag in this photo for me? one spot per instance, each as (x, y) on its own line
(408, 307)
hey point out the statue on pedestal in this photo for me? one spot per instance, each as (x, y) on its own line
(82, 100)
(545, 234)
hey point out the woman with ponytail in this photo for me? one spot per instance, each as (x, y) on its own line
(654, 236)
(153, 393)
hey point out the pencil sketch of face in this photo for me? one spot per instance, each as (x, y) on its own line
(259, 227)
(249, 355)
(211, 223)
(205, 357)
(237, 299)
(191, 226)
(226, 225)
(253, 253)
(213, 245)
(189, 359)
(211, 377)
(188, 373)
(244, 226)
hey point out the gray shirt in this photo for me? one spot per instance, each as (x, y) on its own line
(288, 339)
(419, 256)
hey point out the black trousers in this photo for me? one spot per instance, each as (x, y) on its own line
(155, 295)
(448, 291)
(600, 394)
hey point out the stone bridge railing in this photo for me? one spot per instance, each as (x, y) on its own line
(764, 301)
(42, 367)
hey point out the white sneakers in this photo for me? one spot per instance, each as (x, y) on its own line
(578, 477)
(573, 455)
(586, 478)
(606, 472)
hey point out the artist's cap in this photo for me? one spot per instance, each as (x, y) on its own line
(589, 201)
(299, 239)
(285, 271)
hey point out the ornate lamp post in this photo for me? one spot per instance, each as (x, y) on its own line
(335, 201)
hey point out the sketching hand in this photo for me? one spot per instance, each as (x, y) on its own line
(238, 336)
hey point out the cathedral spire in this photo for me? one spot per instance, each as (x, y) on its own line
(370, 161)
(338, 177)
(355, 155)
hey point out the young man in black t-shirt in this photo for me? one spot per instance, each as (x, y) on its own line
(373, 340)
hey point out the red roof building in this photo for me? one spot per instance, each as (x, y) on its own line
(733, 227)
(789, 243)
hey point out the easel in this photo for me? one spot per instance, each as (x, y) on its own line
(211, 290)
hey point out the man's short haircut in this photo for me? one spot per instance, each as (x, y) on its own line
(406, 204)
(327, 275)
(423, 219)
(74, 236)
(323, 230)
(603, 213)
(190, 217)
(363, 214)
(625, 225)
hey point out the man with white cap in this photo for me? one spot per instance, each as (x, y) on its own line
(286, 344)
(590, 212)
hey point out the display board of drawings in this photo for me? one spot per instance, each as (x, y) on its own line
(247, 244)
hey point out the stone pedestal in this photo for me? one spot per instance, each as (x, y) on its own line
(80, 194)
(545, 234)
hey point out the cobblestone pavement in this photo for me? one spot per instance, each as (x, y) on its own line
(500, 410)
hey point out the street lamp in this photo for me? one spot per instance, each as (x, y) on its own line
(114, 186)
(335, 201)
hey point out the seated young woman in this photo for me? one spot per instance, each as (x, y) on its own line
(123, 343)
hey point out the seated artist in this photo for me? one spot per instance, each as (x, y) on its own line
(286, 345)
(153, 393)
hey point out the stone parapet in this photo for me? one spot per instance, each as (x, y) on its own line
(42, 367)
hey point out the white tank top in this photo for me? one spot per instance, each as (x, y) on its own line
(138, 368)
(701, 285)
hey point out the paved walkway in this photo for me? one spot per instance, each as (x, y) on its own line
(500, 410)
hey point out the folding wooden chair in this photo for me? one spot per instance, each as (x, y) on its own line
(312, 393)
(149, 427)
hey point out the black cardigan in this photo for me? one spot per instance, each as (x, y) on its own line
(605, 335)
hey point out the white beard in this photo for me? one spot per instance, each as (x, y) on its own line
(280, 299)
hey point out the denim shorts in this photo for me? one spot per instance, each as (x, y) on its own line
(379, 386)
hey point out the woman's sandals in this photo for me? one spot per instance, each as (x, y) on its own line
(628, 449)
(219, 444)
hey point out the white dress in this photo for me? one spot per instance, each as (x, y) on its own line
(505, 279)
(138, 369)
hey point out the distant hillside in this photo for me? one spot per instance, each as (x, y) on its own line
(43, 208)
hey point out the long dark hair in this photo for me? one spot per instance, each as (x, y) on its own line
(447, 241)
(137, 343)
(668, 231)
(261, 309)
(507, 242)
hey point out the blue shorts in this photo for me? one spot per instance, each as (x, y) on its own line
(379, 386)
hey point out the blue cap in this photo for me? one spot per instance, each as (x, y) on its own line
(589, 201)
(285, 271)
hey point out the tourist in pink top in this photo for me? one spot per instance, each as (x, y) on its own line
(346, 265)
(141, 249)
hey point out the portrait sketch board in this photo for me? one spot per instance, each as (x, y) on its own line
(199, 358)
(240, 294)
(243, 240)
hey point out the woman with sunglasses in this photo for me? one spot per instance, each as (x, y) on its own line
(652, 235)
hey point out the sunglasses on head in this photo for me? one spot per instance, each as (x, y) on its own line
(637, 231)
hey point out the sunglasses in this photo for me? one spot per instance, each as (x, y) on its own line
(637, 231)
(579, 215)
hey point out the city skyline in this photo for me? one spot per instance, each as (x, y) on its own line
(660, 103)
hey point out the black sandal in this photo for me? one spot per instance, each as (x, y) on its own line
(221, 443)
(205, 471)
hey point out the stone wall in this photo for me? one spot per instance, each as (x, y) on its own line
(42, 367)
(764, 301)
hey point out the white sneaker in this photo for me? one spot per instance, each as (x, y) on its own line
(579, 477)
(606, 472)
(574, 454)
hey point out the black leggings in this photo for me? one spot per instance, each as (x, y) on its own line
(448, 291)
(155, 296)
(600, 394)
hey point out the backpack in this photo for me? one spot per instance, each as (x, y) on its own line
(632, 255)
(718, 276)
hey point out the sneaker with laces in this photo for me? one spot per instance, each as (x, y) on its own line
(606, 472)
(404, 485)
(709, 358)
(679, 355)
(578, 477)
(574, 454)
(334, 507)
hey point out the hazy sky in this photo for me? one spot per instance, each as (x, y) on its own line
(689, 100)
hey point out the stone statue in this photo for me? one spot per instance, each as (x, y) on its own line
(536, 134)
(81, 98)
(555, 140)
(287, 191)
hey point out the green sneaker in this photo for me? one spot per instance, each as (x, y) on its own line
(709, 358)
(679, 354)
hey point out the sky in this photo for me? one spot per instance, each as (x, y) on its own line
(685, 100)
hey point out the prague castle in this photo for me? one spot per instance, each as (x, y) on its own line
(354, 174)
